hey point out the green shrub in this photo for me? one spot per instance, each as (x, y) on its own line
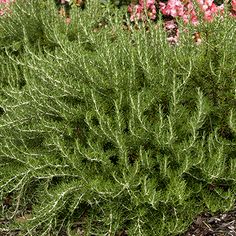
(110, 130)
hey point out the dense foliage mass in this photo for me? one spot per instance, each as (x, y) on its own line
(104, 131)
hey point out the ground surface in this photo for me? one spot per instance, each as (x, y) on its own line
(204, 225)
(213, 225)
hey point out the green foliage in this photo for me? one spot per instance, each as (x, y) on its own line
(106, 130)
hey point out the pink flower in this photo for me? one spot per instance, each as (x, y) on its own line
(4, 1)
(137, 11)
(183, 9)
(189, 14)
(209, 9)
(5, 6)
(233, 9)
(173, 8)
(172, 31)
(150, 2)
(233, 3)
(186, 11)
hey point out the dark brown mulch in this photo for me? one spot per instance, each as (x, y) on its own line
(204, 225)
(213, 225)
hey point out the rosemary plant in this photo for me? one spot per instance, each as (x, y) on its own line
(104, 130)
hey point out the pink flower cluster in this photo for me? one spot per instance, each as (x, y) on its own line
(178, 8)
(140, 12)
(233, 10)
(172, 31)
(173, 9)
(5, 1)
(4, 6)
